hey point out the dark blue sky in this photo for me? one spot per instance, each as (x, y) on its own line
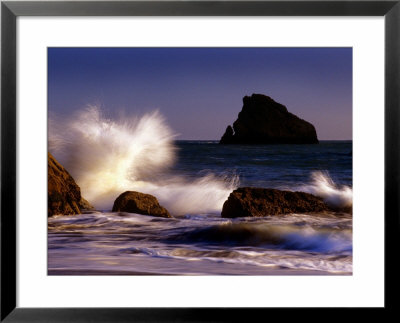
(200, 90)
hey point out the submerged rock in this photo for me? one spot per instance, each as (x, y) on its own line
(64, 195)
(259, 202)
(264, 121)
(136, 202)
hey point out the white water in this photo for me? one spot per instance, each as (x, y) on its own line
(200, 244)
(108, 157)
(323, 186)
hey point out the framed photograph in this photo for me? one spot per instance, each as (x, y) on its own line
(197, 152)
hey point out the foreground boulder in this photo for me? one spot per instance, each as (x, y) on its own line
(140, 203)
(64, 195)
(259, 202)
(264, 121)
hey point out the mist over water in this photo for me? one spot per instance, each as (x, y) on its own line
(108, 157)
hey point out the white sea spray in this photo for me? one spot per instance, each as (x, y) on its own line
(108, 157)
(322, 185)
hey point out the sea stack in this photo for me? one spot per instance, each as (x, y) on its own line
(64, 195)
(264, 121)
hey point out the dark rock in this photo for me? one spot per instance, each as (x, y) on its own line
(259, 202)
(227, 136)
(85, 205)
(64, 195)
(264, 121)
(140, 203)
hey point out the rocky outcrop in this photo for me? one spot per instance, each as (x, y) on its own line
(140, 203)
(259, 202)
(64, 195)
(264, 121)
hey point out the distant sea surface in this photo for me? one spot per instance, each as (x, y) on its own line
(198, 241)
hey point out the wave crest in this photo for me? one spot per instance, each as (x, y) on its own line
(288, 237)
(323, 186)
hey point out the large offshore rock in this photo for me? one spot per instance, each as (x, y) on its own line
(140, 203)
(259, 202)
(64, 195)
(264, 121)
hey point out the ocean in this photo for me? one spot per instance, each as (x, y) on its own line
(192, 179)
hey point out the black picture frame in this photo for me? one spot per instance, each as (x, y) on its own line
(10, 10)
